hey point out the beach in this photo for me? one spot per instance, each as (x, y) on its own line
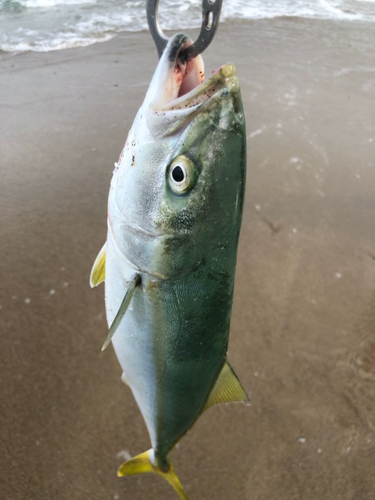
(303, 324)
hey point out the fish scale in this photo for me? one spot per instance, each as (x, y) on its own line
(170, 257)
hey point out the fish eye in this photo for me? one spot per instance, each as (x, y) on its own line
(182, 175)
(178, 174)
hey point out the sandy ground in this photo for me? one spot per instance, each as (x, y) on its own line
(303, 328)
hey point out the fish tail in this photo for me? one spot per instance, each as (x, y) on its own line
(145, 462)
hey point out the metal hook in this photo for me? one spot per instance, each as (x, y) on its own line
(210, 20)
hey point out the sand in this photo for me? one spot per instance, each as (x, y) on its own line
(303, 328)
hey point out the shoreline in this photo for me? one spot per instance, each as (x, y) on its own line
(303, 317)
(355, 23)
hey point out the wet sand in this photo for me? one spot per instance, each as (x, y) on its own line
(303, 328)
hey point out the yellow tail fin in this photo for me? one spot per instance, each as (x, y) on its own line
(144, 463)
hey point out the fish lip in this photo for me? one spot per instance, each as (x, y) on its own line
(182, 111)
(204, 92)
(200, 93)
(180, 43)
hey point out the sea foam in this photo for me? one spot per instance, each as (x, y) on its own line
(44, 25)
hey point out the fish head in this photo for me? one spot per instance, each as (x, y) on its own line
(177, 191)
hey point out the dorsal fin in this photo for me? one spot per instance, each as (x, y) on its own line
(98, 269)
(227, 389)
(136, 280)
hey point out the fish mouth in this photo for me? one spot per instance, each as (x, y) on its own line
(182, 84)
(204, 91)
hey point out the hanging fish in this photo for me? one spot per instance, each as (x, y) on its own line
(174, 215)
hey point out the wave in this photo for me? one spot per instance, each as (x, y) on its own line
(30, 4)
(45, 25)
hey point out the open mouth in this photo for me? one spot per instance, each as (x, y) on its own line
(202, 92)
(185, 86)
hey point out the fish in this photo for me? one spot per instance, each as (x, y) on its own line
(174, 215)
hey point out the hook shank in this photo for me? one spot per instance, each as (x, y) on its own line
(153, 23)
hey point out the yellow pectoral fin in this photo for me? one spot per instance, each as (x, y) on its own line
(227, 389)
(98, 269)
(144, 463)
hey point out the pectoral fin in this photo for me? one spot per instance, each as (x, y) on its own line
(124, 379)
(227, 389)
(98, 269)
(122, 310)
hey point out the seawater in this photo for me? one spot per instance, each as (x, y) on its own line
(44, 25)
